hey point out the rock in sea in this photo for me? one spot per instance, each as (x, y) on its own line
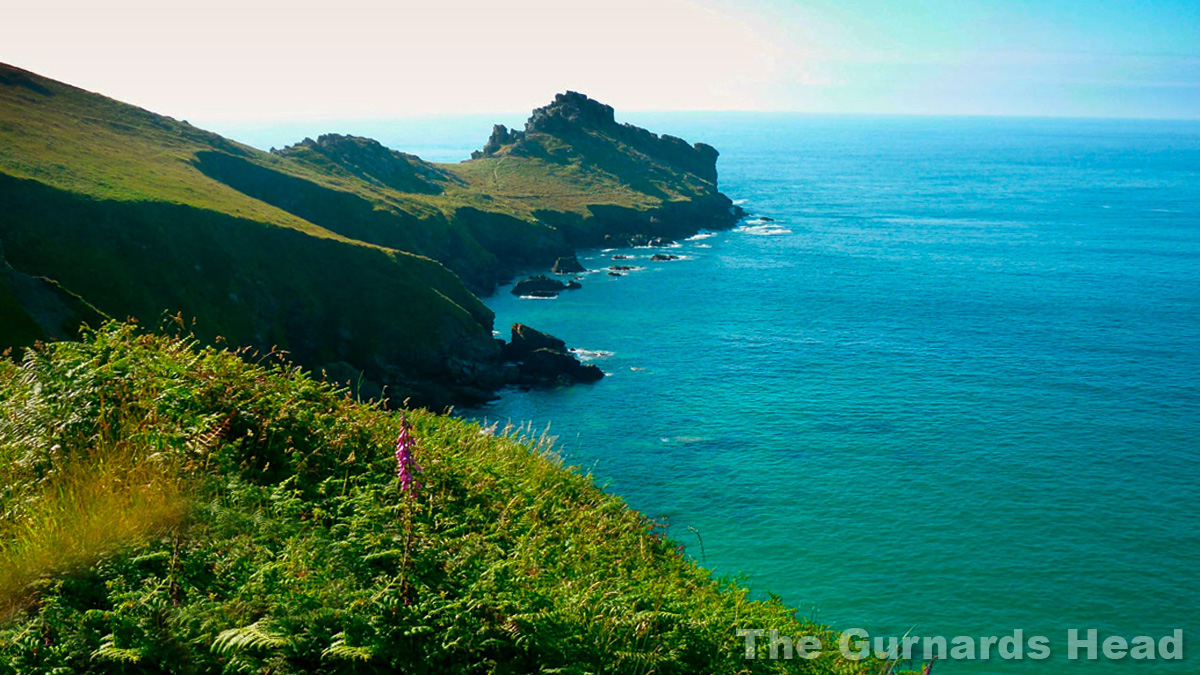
(568, 265)
(544, 359)
(542, 284)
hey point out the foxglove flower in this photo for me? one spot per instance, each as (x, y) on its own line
(406, 465)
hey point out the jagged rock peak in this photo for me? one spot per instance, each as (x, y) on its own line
(573, 116)
(501, 136)
(570, 111)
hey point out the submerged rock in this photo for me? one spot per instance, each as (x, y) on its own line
(659, 257)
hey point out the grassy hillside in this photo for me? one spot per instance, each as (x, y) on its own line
(349, 255)
(166, 508)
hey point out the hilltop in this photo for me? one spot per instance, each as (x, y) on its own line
(357, 259)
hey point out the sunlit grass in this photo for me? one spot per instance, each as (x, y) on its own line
(116, 497)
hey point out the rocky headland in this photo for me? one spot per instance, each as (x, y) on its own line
(358, 260)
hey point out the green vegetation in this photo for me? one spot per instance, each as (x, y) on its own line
(230, 517)
(353, 257)
(170, 507)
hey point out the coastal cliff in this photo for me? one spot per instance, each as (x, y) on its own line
(359, 260)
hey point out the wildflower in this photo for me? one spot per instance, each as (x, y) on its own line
(406, 466)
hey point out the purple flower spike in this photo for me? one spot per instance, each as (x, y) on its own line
(406, 466)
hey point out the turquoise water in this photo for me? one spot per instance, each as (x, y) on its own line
(953, 388)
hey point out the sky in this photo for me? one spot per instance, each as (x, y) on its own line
(276, 60)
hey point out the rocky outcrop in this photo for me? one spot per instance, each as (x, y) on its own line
(573, 112)
(543, 286)
(636, 240)
(661, 257)
(676, 182)
(544, 359)
(501, 136)
(369, 160)
(568, 265)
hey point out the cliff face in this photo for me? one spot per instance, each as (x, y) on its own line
(354, 257)
(33, 308)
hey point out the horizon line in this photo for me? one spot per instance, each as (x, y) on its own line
(658, 111)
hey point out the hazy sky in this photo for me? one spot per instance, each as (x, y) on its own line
(295, 59)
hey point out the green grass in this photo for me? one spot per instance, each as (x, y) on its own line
(299, 554)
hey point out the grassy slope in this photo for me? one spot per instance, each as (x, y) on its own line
(300, 554)
(88, 144)
(524, 185)
(107, 200)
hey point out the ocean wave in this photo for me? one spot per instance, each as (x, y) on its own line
(538, 297)
(586, 355)
(701, 235)
(739, 202)
(763, 230)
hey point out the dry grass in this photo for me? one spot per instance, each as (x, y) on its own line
(119, 497)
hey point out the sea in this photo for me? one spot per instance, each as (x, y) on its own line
(944, 380)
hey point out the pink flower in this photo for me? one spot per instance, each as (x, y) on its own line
(406, 466)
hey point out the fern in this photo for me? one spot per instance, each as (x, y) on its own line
(109, 651)
(340, 650)
(257, 636)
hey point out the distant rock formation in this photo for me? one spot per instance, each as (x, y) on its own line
(369, 160)
(501, 136)
(541, 285)
(544, 359)
(568, 265)
(572, 112)
(636, 240)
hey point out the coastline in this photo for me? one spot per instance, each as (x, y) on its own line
(365, 264)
